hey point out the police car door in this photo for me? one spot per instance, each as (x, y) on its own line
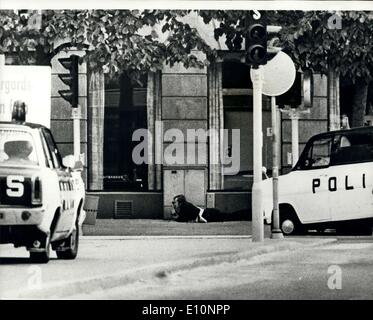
(351, 175)
(64, 178)
(310, 182)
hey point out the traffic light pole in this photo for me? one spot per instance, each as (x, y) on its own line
(257, 206)
(276, 231)
(76, 116)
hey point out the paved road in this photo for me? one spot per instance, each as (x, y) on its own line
(299, 274)
(100, 256)
(105, 262)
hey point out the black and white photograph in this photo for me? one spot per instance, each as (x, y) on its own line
(199, 152)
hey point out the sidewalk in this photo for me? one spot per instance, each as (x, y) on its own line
(150, 227)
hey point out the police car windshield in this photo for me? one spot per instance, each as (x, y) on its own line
(17, 148)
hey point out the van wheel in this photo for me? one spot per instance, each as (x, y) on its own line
(42, 257)
(70, 246)
(290, 224)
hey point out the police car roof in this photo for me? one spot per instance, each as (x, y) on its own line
(347, 131)
(25, 124)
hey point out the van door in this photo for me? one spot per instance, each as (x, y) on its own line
(351, 175)
(308, 182)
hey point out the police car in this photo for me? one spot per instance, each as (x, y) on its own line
(41, 195)
(330, 186)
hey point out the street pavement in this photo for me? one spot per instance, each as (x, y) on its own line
(108, 262)
(337, 270)
(219, 265)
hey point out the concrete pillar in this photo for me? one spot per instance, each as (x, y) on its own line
(216, 122)
(155, 142)
(333, 101)
(96, 112)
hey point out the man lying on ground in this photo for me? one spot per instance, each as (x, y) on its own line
(184, 211)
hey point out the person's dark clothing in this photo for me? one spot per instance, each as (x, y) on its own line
(188, 212)
(215, 215)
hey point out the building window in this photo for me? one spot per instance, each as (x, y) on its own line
(125, 112)
(238, 114)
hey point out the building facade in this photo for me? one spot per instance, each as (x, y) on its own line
(175, 106)
(170, 104)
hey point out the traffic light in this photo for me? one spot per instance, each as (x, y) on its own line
(70, 79)
(256, 41)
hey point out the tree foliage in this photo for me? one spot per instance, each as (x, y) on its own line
(114, 39)
(348, 50)
(125, 39)
(134, 40)
(310, 39)
(322, 41)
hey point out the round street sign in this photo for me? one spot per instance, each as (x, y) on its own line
(278, 75)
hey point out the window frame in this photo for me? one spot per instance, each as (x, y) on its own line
(309, 146)
(115, 86)
(55, 154)
(46, 151)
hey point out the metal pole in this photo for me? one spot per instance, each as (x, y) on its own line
(76, 115)
(276, 231)
(257, 207)
(294, 137)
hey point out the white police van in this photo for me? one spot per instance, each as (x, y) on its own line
(41, 198)
(330, 186)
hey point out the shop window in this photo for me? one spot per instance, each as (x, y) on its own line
(125, 112)
(237, 86)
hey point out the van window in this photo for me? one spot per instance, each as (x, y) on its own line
(316, 154)
(353, 147)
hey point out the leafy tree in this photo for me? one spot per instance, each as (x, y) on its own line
(115, 39)
(313, 43)
(347, 51)
(125, 40)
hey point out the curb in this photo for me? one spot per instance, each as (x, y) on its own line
(60, 290)
(120, 238)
